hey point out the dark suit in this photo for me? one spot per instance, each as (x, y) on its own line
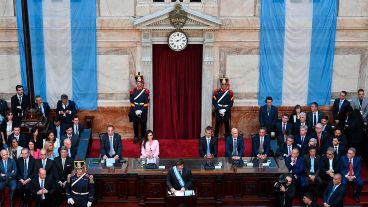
(336, 110)
(22, 141)
(336, 199)
(44, 109)
(49, 185)
(279, 132)
(19, 112)
(325, 166)
(203, 146)
(268, 119)
(105, 145)
(55, 131)
(172, 181)
(229, 146)
(303, 145)
(283, 149)
(319, 116)
(298, 171)
(3, 107)
(67, 119)
(10, 177)
(297, 128)
(322, 142)
(341, 150)
(22, 174)
(344, 169)
(316, 173)
(327, 129)
(61, 175)
(73, 152)
(49, 167)
(285, 199)
(74, 138)
(80, 129)
(256, 144)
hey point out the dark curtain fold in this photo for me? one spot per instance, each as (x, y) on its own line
(177, 84)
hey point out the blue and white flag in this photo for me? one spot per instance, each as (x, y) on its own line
(297, 43)
(63, 45)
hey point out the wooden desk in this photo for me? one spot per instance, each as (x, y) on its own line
(132, 185)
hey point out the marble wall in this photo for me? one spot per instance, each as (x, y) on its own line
(234, 52)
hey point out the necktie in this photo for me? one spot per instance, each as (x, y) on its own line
(111, 147)
(43, 163)
(319, 139)
(25, 173)
(283, 128)
(208, 146)
(314, 118)
(336, 149)
(70, 155)
(350, 167)
(42, 187)
(333, 190)
(20, 100)
(260, 150)
(289, 150)
(340, 105)
(312, 165)
(77, 130)
(63, 161)
(302, 140)
(5, 166)
(235, 144)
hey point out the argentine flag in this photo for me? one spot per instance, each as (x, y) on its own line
(297, 43)
(63, 44)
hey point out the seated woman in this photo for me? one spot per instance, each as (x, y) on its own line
(36, 138)
(51, 152)
(6, 128)
(15, 150)
(150, 146)
(33, 151)
(54, 140)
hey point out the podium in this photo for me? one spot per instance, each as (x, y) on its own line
(181, 200)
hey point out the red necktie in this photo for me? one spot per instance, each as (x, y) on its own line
(350, 168)
(319, 139)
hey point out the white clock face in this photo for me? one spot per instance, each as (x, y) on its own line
(178, 41)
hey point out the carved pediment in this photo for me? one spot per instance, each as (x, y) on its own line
(160, 20)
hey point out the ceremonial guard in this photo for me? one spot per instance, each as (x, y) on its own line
(80, 188)
(222, 100)
(139, 100)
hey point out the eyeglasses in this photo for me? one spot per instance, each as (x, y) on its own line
(43, 154)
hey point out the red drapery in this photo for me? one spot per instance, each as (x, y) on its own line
(177, 84)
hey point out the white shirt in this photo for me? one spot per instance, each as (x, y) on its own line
(330, 164)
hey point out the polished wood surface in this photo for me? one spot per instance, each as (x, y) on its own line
(129, 184)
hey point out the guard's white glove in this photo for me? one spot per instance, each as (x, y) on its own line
(89, 204)
(138, 112)
(71, 201)
(222, 111)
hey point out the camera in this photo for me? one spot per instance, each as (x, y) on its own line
(282, 181)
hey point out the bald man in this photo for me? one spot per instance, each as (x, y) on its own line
(8, 174)
(42, 187)
(234, 145)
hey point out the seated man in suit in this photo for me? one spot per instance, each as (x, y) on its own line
(63, 168)
(77, 127)
(179, 178)
(326, 127)
(302, 139)
(295, 165)
(8, 175)
(350, 170)
(66, 110)
(234, 145)
(45, 163)
(21, 138)
(42, 188)
(43, 107)
(111, 146)
(261, 144)
(71, 151)
(314, 116)
(69, 135)
(283, 128)
(57, 128)
(311, 163)
(208, 144)
(19, 104)
(334, 194)
(322, 138)
(339, 149)
(339, 106)
(268, 115)
(342, 137)
(285, 149)
(329, 164)
(26, 165)
(361, 103)
(302, 122)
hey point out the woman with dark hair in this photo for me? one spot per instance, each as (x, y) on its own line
(15, 150)
(295, 116)
(38, 141)
(6, 128)
(35, 152)
(52, 140)
(150, 146)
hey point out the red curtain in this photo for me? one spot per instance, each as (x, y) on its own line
(177, 84)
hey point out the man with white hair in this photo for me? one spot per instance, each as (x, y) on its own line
(8, 173)
(71, 151)
(302, 122)
(321, 137)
